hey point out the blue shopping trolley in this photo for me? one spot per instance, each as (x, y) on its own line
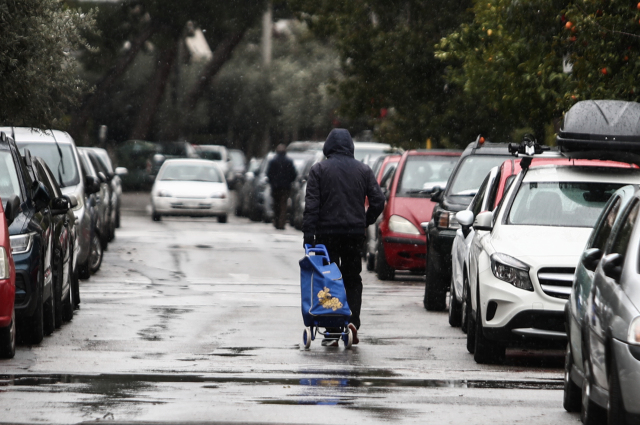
(324, 299)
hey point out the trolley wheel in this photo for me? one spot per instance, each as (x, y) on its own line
(306, 337)
(348, 339)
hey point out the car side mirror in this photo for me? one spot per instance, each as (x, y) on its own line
(465, 218)
(484, 221)
(425, 226)
(590, 258)
(102, 176)
(12, 209)
(612, 266)
(60, 205)
(385, 192)
(121, 171)
(437, 194)
(73, 201)
(41, 197)
(92, 185)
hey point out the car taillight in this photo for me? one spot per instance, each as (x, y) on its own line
(447, 220)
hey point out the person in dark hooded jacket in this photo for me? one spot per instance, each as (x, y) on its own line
(281, 174)
(335, 216)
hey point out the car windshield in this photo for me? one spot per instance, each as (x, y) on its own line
(472, 172)
(191, 172)
(9, 184)
(61, 163)
(421, 173)
(563, 204)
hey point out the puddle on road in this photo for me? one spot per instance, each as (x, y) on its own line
(347, 380)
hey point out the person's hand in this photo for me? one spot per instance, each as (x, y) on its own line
(309, 240)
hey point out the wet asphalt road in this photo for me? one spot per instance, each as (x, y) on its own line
(194, 321)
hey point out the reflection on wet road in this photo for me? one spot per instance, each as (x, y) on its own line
(190, 320)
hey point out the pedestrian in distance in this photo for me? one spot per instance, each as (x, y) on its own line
(335, 216)
(281, 174)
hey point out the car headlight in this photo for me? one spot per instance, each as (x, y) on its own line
(164, 194)
(402, 225)
(634, 332)
(21, 243)
(4, 264)
(447, 220)
(511, 270)
(220, 195)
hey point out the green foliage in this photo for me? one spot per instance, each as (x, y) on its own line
(38, 70)
(387, 57)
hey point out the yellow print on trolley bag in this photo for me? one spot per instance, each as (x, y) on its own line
(327, 301)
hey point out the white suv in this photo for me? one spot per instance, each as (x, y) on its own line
(520, 273)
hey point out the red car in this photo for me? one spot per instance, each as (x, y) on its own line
(401, 241)
(7, 285)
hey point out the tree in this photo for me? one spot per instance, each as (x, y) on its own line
(387, 56)
(38, 70)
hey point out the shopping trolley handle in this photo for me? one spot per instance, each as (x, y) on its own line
(318, 249)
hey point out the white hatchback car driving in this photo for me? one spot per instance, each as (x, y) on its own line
(520, 273)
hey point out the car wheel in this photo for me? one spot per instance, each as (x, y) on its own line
(67, 302)
(112, 232)
(572, 395)
(471, 325)
(222, 218)
(617, 414)
(75, 287)
(455, 307)
(104, 239)
(590, 413)
(118, 217)
(486, 351)
(434, 294)
(34, 325)
(254, 214)
(49, 314)
(371, 261)
(84, 270)
(155, 216)
(57, 290)
(383, 270)
(8, 339)
(465, 309)
(95, 254)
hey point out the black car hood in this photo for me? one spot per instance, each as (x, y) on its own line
(456, 203)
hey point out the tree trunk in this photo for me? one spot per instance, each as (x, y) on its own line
(155, 92)
(79, 121)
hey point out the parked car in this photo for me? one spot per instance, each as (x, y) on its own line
(31, 238)
(611, 329)
(474, 164)
(102, 198)
(7, 284)
(135, 156)
(401, 241)
(95, 191)
(489, 195)
(170, 150)
(368, 152)
(215, 153)
(193, 187)
(58, 150)
(115, 179)
(299, 190)
(245, 191)
(237, 168)
(576, 308)
(517, 291)
(62, 220)
(383, 171)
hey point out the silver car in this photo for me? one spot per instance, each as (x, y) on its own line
(611, 327)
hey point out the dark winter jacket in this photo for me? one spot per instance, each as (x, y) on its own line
(336, 191)
(281, 172)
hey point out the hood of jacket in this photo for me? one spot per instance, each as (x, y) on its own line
(338, 142)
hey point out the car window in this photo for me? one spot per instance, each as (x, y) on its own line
(61, 162)
(422, 172)
(603, 228)
(9, 184)
(191, 172)
(212, 155)
(45, 180)
(471, 173)
(389, 166)
(623, 233)
(478, 200)
(565, 204)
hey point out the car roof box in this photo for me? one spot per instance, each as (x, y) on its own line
(601, 125)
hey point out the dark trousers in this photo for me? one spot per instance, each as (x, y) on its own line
(344, 250)
(280, 197)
